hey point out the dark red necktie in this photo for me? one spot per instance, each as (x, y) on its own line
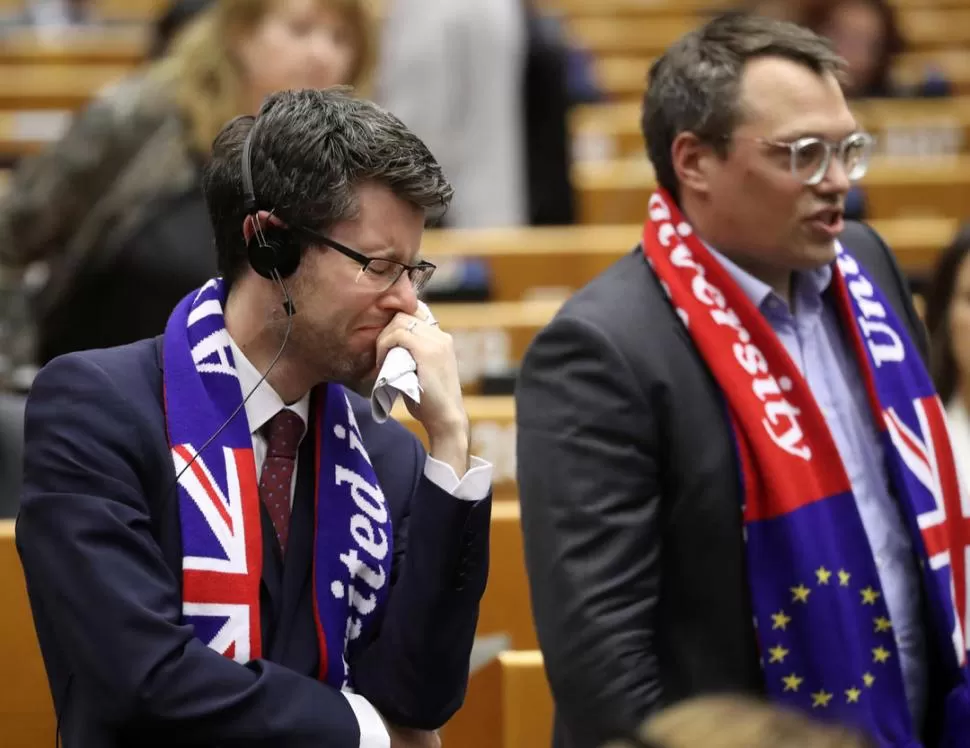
(283, 433)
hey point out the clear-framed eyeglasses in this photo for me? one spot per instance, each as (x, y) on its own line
(379, 273)
(810, 157)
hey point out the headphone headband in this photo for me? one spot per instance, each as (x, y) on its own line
(249, 193)
(272, 252)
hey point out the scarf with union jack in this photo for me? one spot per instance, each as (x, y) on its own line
(219, 503)
(823, 628)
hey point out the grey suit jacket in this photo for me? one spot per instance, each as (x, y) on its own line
(630, 503)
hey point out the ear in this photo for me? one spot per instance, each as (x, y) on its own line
(692, 160)
(263, 219)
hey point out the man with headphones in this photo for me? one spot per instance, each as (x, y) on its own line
(222, 546)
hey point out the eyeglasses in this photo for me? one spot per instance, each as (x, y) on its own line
(379, 273)
(811, 157)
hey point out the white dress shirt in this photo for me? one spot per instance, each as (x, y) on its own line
(262, 405)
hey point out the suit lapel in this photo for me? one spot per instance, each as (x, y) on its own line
(272, 576)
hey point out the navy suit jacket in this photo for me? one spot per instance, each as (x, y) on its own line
(99, 537)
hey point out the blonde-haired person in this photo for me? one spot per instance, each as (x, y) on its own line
(113, 211)
(738, 722)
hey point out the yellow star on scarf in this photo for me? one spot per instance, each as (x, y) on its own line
(800, 594)
(880, 654)
(844, 577)
(823, 575)
(822, 698)
(882, 624)
(792, 682)
(780, 620)
(868, 679)
(778, 654)
(869, 596)
(852, 695)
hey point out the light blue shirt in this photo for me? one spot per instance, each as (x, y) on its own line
(816, 344)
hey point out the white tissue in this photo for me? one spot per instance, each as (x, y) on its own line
(397, 375)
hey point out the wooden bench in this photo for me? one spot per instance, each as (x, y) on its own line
(527, 706)
(492, 437)
(124, 45)
(26, 709)
(525, 262)
(508, 705)
(506, 607)
(55, 86)
(491, 337)
(617, 191)
(902, 127)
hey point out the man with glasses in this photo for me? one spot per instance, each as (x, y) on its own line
(749, 480)
(221, 544)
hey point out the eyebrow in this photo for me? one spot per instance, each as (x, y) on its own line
(791, 137)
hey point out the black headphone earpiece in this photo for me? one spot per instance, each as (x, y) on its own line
(272, 251)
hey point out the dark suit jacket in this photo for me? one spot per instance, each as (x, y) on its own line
(630, 505)
(99, 537)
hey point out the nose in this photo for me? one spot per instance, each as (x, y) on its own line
(836, 179)
(401, 297)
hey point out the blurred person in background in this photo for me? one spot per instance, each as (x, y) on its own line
(452, 70)
(948, 321)
(732, 721)
(866, 34)
(114, 210)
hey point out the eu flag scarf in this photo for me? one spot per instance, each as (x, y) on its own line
(823, 628)
(219, 503)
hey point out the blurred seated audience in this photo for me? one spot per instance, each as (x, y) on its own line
(113, 213)
(948, 322)
(738, 722)
(866, 34)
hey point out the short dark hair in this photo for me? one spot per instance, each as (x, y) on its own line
(310, 152)
(694, 86)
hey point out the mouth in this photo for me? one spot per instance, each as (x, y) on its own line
(829, 222)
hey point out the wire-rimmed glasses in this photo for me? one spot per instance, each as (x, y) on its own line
(810, 157)
(380, 273)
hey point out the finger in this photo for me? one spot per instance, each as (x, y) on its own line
(424, 313)
(392, 339)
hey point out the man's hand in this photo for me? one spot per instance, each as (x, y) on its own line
(404, 738)
(441, 411)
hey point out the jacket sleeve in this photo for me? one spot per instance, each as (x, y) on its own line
(587, 456)
(415, 672)
(85, 541)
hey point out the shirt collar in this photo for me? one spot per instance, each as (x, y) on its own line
(264, 403)
(759, 292)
